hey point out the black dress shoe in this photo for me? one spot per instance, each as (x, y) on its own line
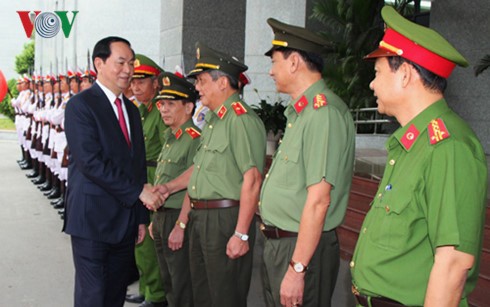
(26, 166)
(135, 298)
(55, 194)
(39, 180)
(61, 211)
(56, 201)
(45, 187)
(32, 174)
(153, 304)
(46, 193)
(61, 205)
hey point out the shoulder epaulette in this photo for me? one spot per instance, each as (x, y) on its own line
(437, 131)
(319, 101)
(193, 132)
(238, 108)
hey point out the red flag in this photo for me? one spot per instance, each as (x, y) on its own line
(3, 86)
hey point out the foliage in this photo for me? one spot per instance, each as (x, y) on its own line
(272, 114)
(482, 65)
(5, 106)
(24, 62)
(354, 27)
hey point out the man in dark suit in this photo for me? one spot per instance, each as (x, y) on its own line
(106, 179)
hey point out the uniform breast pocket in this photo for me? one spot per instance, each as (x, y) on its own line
(287, 170)
(391, 222)
(216, 157)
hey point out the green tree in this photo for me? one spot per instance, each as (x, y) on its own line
(355, 28)
(24, 62)
(5, 105)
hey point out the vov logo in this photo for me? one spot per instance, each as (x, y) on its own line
(47, 24)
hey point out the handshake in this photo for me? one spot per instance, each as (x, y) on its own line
(153, 197)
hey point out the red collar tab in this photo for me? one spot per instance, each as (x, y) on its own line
(437, 131)
(178, 134)
(221, 112)
(150, 107)
(408, 49)
(192, 132)
(319, 101)
(238, 108)
(409, 137)
(300, 104)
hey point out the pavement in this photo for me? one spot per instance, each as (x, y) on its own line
(36, 266)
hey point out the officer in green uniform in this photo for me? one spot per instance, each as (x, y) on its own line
(144, 86)
(224, 184)
(305, 193)
(421, 240)
(176, 103)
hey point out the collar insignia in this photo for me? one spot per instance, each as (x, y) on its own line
(178, 133)
(300, 104)
(410, 137)
(221, 112)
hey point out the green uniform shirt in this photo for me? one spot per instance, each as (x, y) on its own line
(176, 157)
(153, 131)
(319, 142)
(233, 141)
(431, 195)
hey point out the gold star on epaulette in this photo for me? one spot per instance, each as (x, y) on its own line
(437, 131)
(221, 112)
(193, 132)
(238, 108)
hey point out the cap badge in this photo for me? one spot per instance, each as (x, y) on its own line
(238, 108)
(137, 63)
(166, 81)
(300, 104)
(409, 137)
(319, 101)
(437, 131)
(221, 112)
(198, 53)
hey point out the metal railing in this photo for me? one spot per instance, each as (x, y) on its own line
(369, 116)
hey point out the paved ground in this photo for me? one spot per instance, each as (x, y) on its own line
(36, 267)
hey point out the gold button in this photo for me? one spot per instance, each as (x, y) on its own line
(158, 176)
(364, 230)
(279, 152)
(210, 126)
(259, 203)
(169, 160)
(193, 187)
(142, 118)
(280, 140)
(351, 264)
(146, 138)
(286, 158)
(198, 167)
(167, 145)
(387, 208)
(380, 194)
(267, 175)
(205, 146)
(392, 162)
(290, 125)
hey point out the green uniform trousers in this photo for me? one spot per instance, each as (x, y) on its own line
(150, 283)
(174, 265)
(217, 280)
(320, 277)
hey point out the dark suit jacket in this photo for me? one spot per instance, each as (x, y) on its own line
(105, 176)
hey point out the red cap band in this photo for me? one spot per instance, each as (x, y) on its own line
(406, 48)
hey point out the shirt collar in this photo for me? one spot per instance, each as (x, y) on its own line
(409, 134)
(305, 100)
(109, 94)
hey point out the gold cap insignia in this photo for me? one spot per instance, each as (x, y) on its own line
(166, 81)
(137, 63)
(198, 53)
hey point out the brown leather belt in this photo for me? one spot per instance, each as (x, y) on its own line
(163, 209)
(377, 301)
(272, 232)
(214, 203)
(151, 163)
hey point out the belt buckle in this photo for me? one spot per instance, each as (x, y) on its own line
(192, 204)
(354, 290)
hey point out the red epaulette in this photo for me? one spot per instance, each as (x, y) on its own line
(238, 108)
(437, 131)
(192, 132)
(319, 101)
